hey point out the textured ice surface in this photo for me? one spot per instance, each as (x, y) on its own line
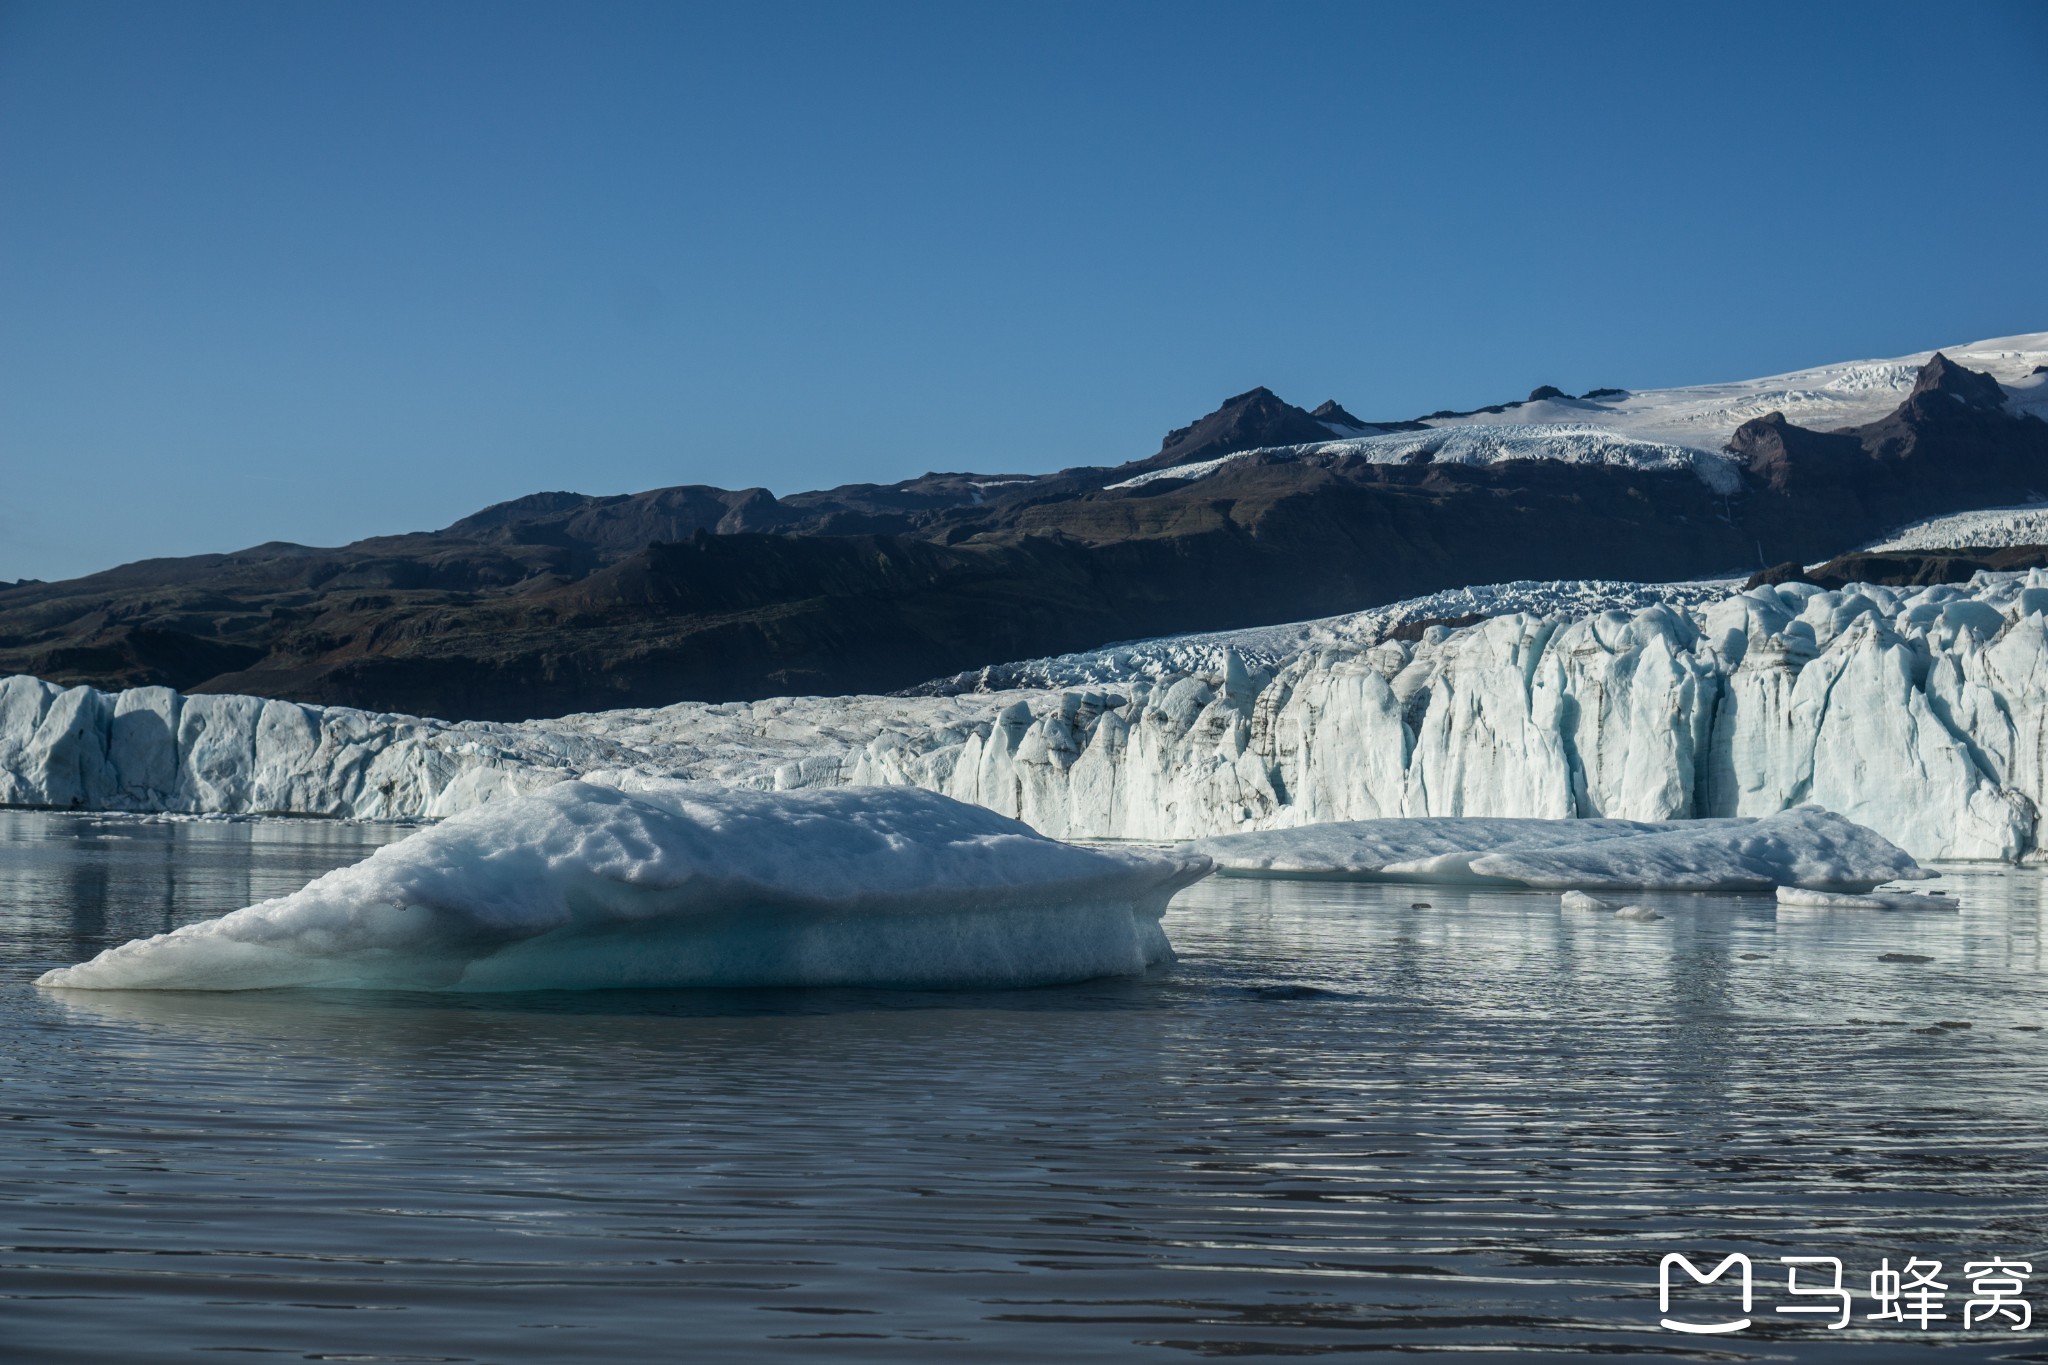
(1263, 649)
(1986, 528)
(1579, 900)
(1919, 712)
(1806, 846)
(1640, 913)
(647, 882)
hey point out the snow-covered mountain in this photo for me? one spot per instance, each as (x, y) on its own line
(1703, 416)
(1259, 511)
(1678, 428)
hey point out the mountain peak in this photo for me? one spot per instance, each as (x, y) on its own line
(1332, 414)
(1971, 388)
(1246, 421)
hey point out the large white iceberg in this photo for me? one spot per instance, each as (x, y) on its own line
(629, 881)
(1804, 847)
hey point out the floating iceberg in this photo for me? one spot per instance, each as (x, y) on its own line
(1579, 900)
(1799, 898)
(627, 881)
(1806, 846)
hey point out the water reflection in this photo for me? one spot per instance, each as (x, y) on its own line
(1344, 1123)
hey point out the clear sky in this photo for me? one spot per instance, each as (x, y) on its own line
(312, 271)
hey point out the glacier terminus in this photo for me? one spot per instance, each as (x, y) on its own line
(1919, 712)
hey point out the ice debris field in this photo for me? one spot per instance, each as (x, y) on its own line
(624, 881)
(1920, 713)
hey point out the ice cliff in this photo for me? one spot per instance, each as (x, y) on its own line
(1922, 713)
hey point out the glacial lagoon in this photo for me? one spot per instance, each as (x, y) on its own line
(1352, 1119)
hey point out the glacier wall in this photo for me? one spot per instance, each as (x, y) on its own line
(151, 749)
(1921, 713)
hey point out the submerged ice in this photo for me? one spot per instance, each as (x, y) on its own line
(1921, 713)
(627, 881)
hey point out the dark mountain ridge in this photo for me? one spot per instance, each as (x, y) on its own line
(560, 602)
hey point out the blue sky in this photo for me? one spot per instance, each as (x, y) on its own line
(316, 271)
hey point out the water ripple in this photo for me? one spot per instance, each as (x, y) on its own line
(1344, 1124)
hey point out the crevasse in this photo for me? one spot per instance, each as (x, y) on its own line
(1922, 713)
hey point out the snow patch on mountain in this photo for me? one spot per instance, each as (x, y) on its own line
(1491, 443)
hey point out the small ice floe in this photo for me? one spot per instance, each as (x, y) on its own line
(1800, 898)
(1805, 846)
(641, 882)
(1579, 900)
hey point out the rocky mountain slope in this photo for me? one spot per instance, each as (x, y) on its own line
(1258, 512)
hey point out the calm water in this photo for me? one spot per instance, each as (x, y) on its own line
(1342, 1125)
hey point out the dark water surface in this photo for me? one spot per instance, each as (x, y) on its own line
(1342, 1125)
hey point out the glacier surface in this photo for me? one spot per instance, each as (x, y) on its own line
(1849, 393)
(1985, 528)
(1266, 648)
(1804, 847)
(624, 881)
(1921, 713)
